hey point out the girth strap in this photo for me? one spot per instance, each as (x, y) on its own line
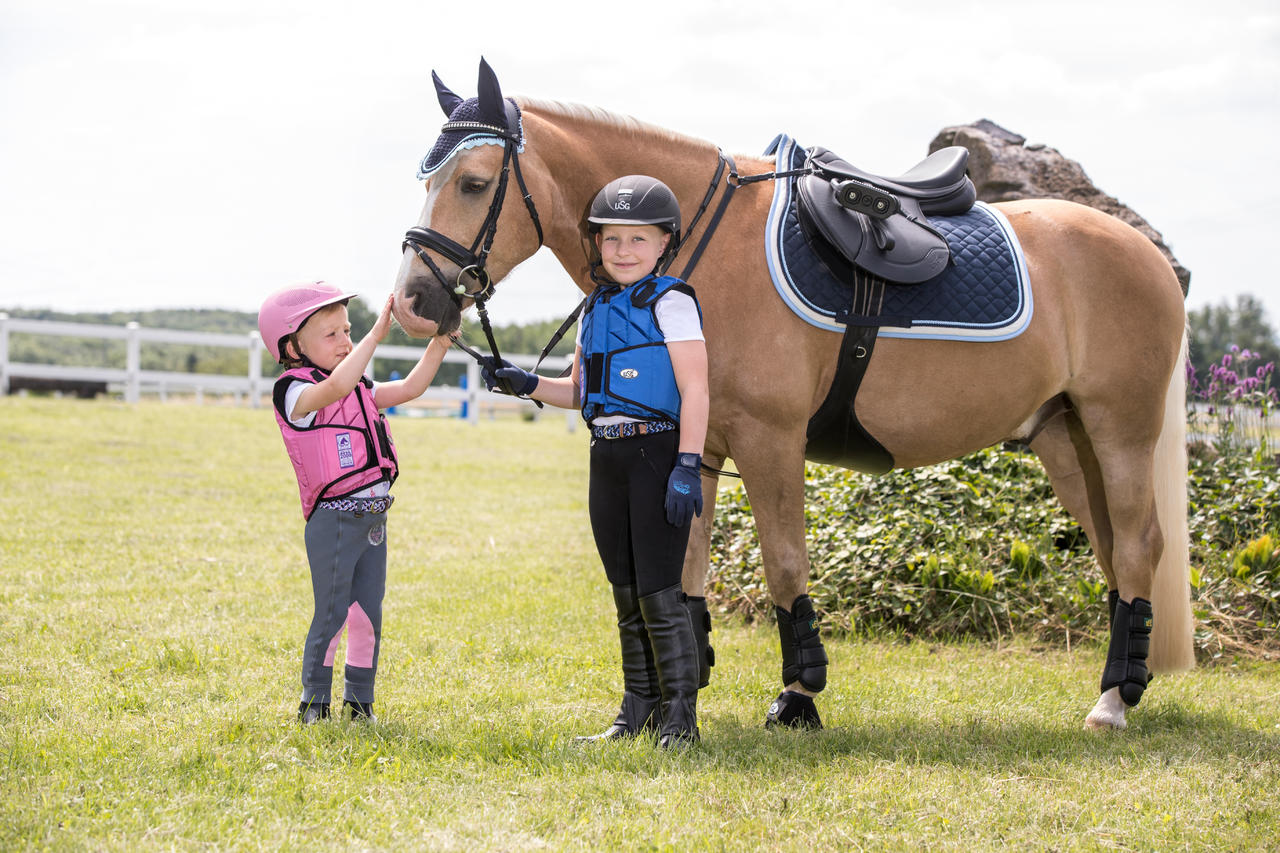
(835, 435)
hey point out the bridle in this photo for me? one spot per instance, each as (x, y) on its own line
(471, 262)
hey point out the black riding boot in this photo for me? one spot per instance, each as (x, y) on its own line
(675, 652)
(640, 694)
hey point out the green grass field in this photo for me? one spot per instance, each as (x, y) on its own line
(155, 595)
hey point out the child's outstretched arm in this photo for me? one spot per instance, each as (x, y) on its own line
(346, 375)
(558, 391)
(388, 394)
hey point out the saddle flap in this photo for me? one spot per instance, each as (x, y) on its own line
(902, 248)
(842, 228)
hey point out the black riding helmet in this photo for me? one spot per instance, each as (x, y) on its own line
(636, 200)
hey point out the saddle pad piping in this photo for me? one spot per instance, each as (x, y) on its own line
(794, 299)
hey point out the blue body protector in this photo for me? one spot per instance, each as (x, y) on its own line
(626, 369)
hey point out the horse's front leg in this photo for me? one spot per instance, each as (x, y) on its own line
(697, 559)
(772, 466)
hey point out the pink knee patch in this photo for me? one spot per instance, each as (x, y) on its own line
(360, 638)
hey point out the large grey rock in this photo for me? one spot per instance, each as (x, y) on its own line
(1004, 168)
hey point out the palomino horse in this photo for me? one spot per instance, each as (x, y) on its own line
(1107, 336)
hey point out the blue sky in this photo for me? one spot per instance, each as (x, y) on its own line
(193, 153)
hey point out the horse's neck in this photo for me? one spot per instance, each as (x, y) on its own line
(585, 148)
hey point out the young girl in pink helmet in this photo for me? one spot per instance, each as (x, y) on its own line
(341, 449)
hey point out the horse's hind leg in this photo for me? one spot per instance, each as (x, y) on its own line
(1073, 471)
(1124, 431)
(1069, 460)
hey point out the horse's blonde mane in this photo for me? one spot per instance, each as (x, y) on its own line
(596, 115)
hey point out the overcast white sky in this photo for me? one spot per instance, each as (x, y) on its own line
(199, 153)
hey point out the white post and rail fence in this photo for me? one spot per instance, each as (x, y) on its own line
(131, 381)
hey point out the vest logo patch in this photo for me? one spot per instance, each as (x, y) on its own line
(346, 459)
(629, 373)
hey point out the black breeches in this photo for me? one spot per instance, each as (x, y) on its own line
(628, 490)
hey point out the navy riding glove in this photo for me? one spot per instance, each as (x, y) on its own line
(507, 378)
(684, 489)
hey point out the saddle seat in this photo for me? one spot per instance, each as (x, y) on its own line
(881, 224)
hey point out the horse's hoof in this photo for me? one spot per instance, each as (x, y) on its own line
(1108, 713)
(793, 710)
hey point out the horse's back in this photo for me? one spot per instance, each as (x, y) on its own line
(1106, 324)
(1102, 286)
(1075, 252)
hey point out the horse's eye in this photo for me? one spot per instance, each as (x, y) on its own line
(474, 185)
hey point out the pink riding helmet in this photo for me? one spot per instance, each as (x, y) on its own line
(284, 311)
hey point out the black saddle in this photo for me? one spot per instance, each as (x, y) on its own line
(881, 224)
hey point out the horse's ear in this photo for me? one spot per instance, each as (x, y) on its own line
(448, 100)
(490, 95)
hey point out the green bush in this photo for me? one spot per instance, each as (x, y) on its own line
(980, 547)
(1235, 553)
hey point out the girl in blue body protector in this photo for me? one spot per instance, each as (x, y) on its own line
(640, 378)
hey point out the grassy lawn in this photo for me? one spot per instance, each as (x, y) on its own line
(154, 598)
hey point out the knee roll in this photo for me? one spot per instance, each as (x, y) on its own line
(1127, 655)
(803, 657)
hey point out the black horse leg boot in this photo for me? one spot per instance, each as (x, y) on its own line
(701, 619)
(675, 652)
(640, 695)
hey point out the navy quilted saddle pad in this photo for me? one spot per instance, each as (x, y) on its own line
(983, 295)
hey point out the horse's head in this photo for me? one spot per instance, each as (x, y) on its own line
(451, 257)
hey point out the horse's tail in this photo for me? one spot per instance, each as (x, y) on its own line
(1171, 646)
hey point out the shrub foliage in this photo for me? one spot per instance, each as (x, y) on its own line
(980, 547)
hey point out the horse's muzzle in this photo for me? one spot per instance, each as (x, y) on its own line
(424, 309)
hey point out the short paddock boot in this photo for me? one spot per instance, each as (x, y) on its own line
(360, 710)
(675, 652)
(640, 697)
(312, 712)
